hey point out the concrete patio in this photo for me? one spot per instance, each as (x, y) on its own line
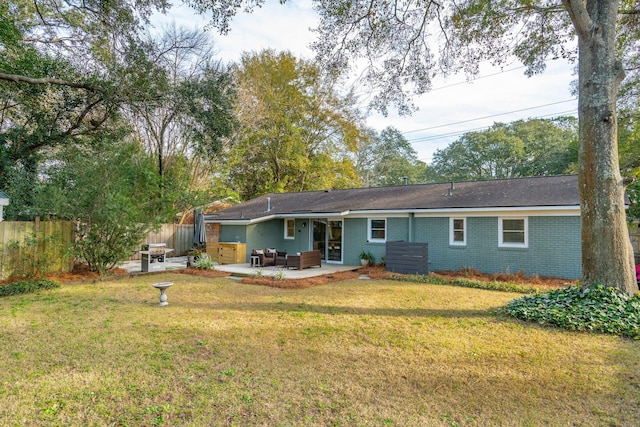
(247, 270)
(244, 270)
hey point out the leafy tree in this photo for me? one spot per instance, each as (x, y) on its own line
(389, 159)
(65, 70)
(110, 190)
(534, 147)
(185, 123)
(411, 41)
(296, 130)
(193, 110)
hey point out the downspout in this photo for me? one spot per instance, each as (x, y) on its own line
(411, 219)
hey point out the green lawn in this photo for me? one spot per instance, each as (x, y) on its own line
(355, 353)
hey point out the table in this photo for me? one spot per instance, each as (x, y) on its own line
(255, 261)
(293, 261)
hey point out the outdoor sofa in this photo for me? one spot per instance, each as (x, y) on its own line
(266, 257)
(304, 259)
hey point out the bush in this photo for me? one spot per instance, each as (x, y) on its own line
(596, 308)
(27, 286)
(205, 263)
(466, 283)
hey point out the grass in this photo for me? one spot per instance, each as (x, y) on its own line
(360, 352)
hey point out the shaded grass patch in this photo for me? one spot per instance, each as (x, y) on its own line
(467, 283)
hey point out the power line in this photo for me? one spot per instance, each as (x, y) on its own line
(478, 78)
(490, 116)
(464, 82)
(458, 133)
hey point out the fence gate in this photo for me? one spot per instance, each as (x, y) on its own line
(407, 257)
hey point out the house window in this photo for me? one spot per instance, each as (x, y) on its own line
(457, 231)
(377, 230)
(513, 232)
(289, 228)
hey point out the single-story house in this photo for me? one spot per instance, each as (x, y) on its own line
(4, 201)
(507, 225)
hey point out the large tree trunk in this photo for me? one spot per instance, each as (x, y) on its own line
(607, 255)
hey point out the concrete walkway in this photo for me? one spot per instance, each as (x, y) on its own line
(135, 266)
(177, 263)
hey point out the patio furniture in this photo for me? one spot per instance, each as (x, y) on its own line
(306, 259)
(293, 261)
(281, 259)
(265, 258)
(255, 261)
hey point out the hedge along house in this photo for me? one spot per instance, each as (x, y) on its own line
(524, 224)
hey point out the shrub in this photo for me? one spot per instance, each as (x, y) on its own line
(596, 308)
(27, 286)
(466, 283)
(204, 262)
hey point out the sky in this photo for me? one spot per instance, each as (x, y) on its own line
(453, 107)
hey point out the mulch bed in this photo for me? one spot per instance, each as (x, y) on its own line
(519, 278)
(81, 273)
(202, 273)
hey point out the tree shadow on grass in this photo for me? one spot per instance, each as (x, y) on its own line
(283, 307)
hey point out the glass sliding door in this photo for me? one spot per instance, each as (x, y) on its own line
(334, 241)
(319, 238)
(327, 238)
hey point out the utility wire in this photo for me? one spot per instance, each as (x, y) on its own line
(490, 116)
(452, 134)
(462, 132)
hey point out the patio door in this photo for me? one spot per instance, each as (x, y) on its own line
(327, 238)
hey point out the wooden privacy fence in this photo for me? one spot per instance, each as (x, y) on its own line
(29, 245)
(634, 236)
(407, 257)
(178, 237)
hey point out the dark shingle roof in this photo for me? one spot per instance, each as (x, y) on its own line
(3, 195)
(519, 192)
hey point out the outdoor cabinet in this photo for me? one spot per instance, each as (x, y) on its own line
(213, 250)
(228, 253)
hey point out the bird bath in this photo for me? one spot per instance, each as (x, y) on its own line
(163, 292)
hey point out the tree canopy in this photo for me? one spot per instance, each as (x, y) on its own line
(522, 148)
(296, 128)
(389, 159)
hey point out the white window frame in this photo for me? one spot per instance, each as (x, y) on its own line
(452, 231)
(501, 230)
(370, 238)
(286, 228)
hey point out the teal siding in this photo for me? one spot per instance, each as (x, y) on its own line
(356, 233)
(355, 239)
(554, 243)
(233, 233)
(269, 234)
(554, 247)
